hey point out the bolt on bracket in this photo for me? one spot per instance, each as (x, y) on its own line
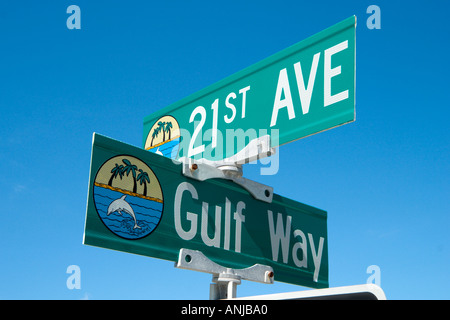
(225, 280)
(231, 168)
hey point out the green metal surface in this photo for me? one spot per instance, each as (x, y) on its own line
(302, 90)
(139, 202)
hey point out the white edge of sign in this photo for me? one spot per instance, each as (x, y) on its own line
(298, 295)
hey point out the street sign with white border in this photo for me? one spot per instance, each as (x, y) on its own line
(356, 292)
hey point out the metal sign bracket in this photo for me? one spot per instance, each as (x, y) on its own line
(225, 280)
(231, 168)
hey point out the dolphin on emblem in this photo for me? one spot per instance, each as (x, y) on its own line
(120, 205)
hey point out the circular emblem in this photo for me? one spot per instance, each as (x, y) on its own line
(164, 137)
(128, 197)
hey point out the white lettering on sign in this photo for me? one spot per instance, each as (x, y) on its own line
(190, 232)
(189, 224)
(305, 91)
(283, 86)
(192, 217)
(280, 235)
(332, 72)
(227, 118)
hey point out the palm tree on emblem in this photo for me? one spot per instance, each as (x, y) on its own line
(168, 128)
(117, 170)
(161, 128)
(130, 168)
(143, 179)
(155, 134)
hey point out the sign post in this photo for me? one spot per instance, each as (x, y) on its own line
(140, 202)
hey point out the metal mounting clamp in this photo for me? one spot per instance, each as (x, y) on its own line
(231, 168)
(225, 280)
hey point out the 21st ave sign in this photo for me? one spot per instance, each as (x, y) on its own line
(300, 91)
(140, 202)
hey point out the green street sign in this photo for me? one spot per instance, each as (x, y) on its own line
(302, 90)
(140, 202)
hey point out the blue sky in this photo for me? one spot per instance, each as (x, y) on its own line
(383, 179)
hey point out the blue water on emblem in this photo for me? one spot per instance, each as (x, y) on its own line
(168, 149)
(147, 213)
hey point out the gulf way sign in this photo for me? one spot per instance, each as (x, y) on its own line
(302, 90)
(140, 202)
